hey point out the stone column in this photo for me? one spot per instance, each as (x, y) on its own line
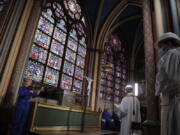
(160, 28)
(152, 113)
(9, 28)
(178, 9)
(175, 19)
(23, 55)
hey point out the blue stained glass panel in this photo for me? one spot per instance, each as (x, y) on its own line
(72, 6)
(42, 39)
(73, 34)
(70, 55)
(79, 73)
(82, 51)
(66, 82)
(109, 97)
(83, 42)
(51, 76)
(54, 61)
(57, 48)
(59, 35)
(80, 29)
(68, 68)
(72, 44)
(80, 61)
(45, 26)
(48, 15)
(57, 6)
(34, 71)
(38, 54)
(58, 9)
(62, 25)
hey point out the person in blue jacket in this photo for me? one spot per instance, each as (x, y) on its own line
(108, 121)
(22, 108)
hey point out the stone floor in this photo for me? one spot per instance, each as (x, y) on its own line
(98, 132)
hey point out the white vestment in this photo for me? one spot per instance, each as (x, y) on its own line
(168, 83)
(125, 110)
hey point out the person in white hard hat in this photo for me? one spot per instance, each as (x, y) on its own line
(129, 110)
(168, 78)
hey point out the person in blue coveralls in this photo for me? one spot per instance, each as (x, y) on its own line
(22, 107)
(108, 122)
(116, 121)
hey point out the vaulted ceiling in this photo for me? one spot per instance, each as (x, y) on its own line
(127, 23)
(99, 10)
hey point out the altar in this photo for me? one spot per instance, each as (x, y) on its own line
(51, 117)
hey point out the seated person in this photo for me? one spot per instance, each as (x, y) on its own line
(107, 121)
(116, 121)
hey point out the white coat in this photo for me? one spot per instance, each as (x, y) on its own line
(125, 110)
(168, 83)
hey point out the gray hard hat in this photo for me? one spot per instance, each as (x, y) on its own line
(168, 36)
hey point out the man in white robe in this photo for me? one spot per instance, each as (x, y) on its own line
(168, 78)
(125, 109)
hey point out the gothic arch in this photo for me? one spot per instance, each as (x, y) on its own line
(111, 19)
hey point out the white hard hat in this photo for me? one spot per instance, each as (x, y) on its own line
(129, 88)
(166, 36)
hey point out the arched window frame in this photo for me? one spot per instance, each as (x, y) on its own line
(71, 24)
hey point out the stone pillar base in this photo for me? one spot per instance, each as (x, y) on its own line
(151, 127)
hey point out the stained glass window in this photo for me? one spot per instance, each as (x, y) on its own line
(82, 51)
(42, 39)
(57, 48)
(68, 68)
(54, 61)
(113, 83)
(74, 9)
(66, 82)
(45, 26)
(73, 34)
(58, 52)
(79, 73)
(82, 42)
(70, 55)
(77, 84)
(34, 70)
(51, 76)
(59, 35)
(38, 53)
(62, 25)
(48, 15)
(72, 44)
(80, 61)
